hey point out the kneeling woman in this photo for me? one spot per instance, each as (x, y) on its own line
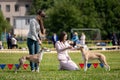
(64, 59)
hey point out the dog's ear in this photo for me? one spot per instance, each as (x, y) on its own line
(81, 47)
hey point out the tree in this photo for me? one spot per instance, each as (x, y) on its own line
(63, 16)
(4, 25)
(68, 14)
(109, 12)
(41, 4)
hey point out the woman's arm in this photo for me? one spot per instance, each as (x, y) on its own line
(59, 49)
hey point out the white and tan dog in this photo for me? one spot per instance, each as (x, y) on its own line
(36, 58)
(87, 55)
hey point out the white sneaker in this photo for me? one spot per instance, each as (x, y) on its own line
(32, 70)
(37, 70)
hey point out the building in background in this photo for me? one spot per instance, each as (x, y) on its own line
(21, 25)
(12, 8)
(15, 12)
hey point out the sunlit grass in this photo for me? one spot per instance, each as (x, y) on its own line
(49, 68)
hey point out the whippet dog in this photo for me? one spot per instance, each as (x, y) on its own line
(36, 58)
(87, 55)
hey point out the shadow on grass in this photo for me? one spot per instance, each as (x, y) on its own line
(117, 69)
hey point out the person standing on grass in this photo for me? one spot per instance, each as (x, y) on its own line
(82, 39)
(75, 38)
(114, 39)
(62, 46)
(14, 42)
(8, 38)
(34, 37)
(1, 46)
(54, 39)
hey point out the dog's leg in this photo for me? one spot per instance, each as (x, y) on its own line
(17, 68)
(21, 62)
(106, 65)
(37, 70)
(103, 60)
(85, 64)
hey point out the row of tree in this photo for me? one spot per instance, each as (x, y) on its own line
(4, 24)
(68, 14)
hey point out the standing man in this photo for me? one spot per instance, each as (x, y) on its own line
(8, 38)
(54, 39)
(82, 39)
(114, 39)
(34, 37)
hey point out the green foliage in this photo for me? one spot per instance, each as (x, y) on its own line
(108, 12)
(68, 14)
(41, 4)
(4, 25)
(63, 16)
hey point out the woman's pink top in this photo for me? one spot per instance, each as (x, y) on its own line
(62, 54)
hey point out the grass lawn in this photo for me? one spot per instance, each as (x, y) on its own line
(49, 68)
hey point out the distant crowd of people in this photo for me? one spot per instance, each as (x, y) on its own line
(77, 40)
(74, 39)
(81, 40)
(11, 41)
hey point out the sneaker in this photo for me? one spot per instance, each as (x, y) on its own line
(32, 70)
(37, 70)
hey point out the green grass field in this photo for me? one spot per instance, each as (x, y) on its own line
(49, 68)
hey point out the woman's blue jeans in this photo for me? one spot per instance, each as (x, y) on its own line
(33, 47)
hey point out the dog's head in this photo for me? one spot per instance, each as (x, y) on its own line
(43, 49)
(79, 47)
